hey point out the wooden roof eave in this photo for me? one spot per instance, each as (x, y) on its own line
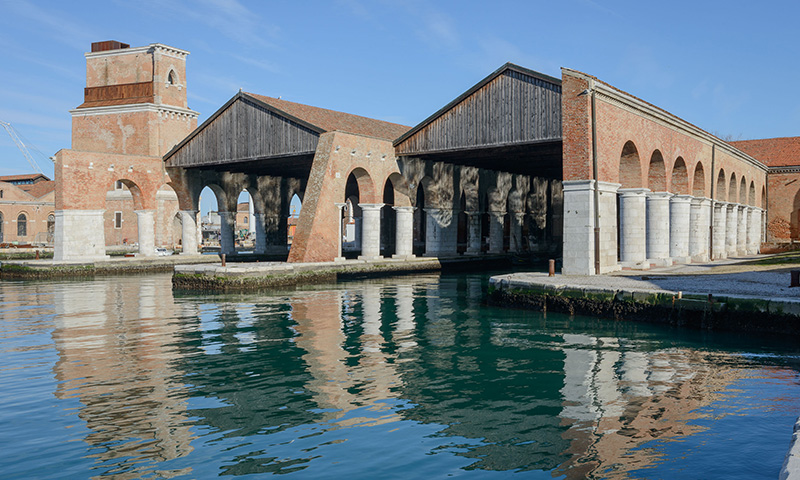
(224, 107)
(475, 88)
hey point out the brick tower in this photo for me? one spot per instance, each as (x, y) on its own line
(134, 111)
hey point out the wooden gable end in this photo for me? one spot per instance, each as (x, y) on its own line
(513, 108)
(244, 130)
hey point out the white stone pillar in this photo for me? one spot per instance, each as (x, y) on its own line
(607, 193)
(658, 228)
(433, 234)
(145, 225)
(188, 232)
(79, 235)
(370, 231)
(731, 229)
(496, 220)
(474, 233)
(259, 227)
(578, 236)
(699, 229)
(633, 227)
(719, 249)
(680, 208)
(515, 237)
(741, 227)
(339, 207)
(753, 221)
(404, 235)
(227, 225)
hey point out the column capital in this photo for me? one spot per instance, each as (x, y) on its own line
(701, 201)
(631, 192)
(340, 205)
(371, 206)
(681, 198)
(659, 195)
(404, 209)
(608, 187)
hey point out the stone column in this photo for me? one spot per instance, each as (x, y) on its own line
(496, 231)
(633, 227)
(741, 227)
(227, 225)
(259, 227)
(731, 229)
(433, 234)
(680, 207)
(188, 232)
(658, 228)
(339, 257)
(474, 233)
(515, 240)
(699, 229)
(146, 226)
(370, 231)
(719, 249)
(79, 234)
(749, 214)
(404, 232)
(578, 234)
(607, 193)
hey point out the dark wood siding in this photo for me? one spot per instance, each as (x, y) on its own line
(513, 108)
(242, 132)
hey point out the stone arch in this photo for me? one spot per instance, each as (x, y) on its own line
(366, 186)
(630, 167)
(733, 194)
(136, 192)
(751, 198)
(401, 188)
(388, 235)
(680, 177)
(699, 181)
(657, 173)
(743, 191)
(172, 77)
(721, 192)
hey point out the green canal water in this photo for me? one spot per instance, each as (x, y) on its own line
(410, 377)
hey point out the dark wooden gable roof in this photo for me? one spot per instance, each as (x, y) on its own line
(512, 106)
(252, 127)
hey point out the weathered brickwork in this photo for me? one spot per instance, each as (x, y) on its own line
(134, 111)
(29, 205)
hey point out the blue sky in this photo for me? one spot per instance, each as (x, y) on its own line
(728, 67)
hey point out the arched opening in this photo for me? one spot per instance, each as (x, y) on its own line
(167, 231)
(121, 224)
(751, 197)
(699, 181)
(388, 221)
(295, 205)
(630, 167)
(22, 226)
(420, 220)
(210, 222)
(244, 228)
(721, 194)
(657, 173)
(680, 177)
(172, 78)
(462, 236)
(51, 228)
(486, 219)
(733, 194)
(743, 191)
(351, 241)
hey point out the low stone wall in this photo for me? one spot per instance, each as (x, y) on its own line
(50, 269)
(719, 312)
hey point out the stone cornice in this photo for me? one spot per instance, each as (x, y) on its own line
(137, 107)
(159, 47)
(785, 169)
(639, 107)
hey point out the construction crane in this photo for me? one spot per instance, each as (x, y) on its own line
(12, 132)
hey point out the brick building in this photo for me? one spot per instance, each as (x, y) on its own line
(27, 209)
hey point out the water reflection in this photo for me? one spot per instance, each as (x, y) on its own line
(415, 370)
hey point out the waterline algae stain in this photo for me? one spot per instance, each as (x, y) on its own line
(410, 377)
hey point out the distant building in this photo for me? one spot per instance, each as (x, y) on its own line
(27, 209)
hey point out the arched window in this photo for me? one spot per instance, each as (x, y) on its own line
(172, 79)
(22, 225)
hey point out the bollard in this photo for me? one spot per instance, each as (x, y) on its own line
(223, 259)
(551, 268)
(37, 254)
(795, 281)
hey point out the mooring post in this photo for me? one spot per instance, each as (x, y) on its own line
(223, 259)
(551, 268)
(37, 254)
